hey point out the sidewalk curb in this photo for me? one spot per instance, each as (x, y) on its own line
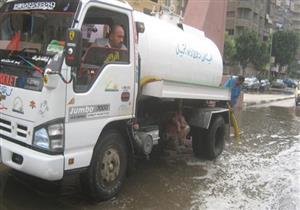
(249, 104)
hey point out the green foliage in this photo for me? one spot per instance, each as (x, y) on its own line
(249, 49)
(293, 69)
(285, 46)
(246, 47)
(262, 56)
(229, 49)
(2, 2)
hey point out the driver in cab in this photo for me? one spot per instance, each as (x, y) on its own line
(107, 50)
(115, 39)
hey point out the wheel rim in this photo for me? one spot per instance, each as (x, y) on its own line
(109, 167)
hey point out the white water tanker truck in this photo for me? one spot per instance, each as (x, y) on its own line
(70, 105)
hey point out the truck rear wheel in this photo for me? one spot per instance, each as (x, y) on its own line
(198, 138)
(216, 138)
(209, 144)
(107, 171)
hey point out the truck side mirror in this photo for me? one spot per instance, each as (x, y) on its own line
(140, 27)
(73, 47)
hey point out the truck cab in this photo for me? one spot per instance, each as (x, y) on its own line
(42, 113)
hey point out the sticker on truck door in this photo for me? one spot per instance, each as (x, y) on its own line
(77, 113)
(18, 105)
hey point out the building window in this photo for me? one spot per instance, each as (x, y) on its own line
(156, 1)
(230, 14)
(147, 11)
(244, 13)
(255, 18)
(168, 3)
(230, 31)
(240, 30)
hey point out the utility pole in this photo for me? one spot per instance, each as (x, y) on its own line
(271, 59)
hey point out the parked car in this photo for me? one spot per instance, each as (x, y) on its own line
(251, 83)
(278, 83)
(264, 85)
(290, 83)
(297, 94)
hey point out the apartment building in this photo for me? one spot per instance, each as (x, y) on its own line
(295, 15)
(248, 14)
(262, 15)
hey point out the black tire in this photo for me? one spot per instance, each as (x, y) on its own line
(105, 176)
(209, 144)
(198, 141)
(215, 140)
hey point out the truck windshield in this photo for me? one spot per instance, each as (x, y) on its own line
(32, 33)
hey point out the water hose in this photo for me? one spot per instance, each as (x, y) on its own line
(234, 123)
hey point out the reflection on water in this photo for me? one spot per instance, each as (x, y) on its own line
(297, 111)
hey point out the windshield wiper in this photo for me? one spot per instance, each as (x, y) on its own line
(35, 67)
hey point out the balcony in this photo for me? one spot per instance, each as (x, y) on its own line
(296, 27)
(229, 23)
(296, 18)
(231, 6)
(246, 4)
(243, 22)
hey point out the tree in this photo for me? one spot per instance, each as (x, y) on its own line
(246, 48)
(285, 45)
(2, 2)
(293, 69)
(229, 49)
(262, 56)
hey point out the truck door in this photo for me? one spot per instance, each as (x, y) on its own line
(103, 88)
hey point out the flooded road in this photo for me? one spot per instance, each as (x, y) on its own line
(260, 172)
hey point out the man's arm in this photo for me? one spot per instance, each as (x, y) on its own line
(228, 83)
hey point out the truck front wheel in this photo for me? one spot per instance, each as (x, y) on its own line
(107, 171)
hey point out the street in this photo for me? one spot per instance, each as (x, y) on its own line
(260, 172)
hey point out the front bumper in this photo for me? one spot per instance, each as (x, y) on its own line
(47, 167)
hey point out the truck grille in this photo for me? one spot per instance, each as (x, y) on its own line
(13, 130)
(22, 131)
(5, 126)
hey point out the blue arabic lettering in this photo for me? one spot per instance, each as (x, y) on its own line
(182, 50)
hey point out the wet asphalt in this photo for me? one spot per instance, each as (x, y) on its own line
(261, 171)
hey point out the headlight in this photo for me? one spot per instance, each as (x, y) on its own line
(41, 138)
(50, 137)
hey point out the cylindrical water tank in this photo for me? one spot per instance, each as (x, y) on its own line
(181, 55)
